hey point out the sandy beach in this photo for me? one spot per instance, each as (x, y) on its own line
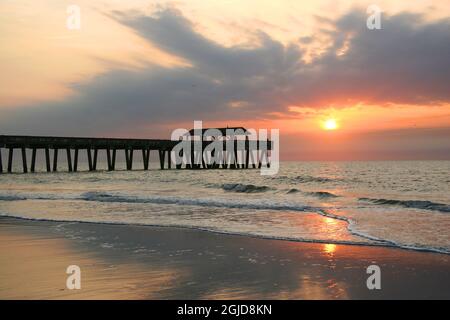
(139, 262)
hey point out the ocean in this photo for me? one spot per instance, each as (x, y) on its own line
(378, 203)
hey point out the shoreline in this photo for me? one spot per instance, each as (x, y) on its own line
(380, 243)
(143, 262)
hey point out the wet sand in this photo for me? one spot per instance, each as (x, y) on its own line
(139, 262)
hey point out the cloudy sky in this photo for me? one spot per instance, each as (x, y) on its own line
(334, 88)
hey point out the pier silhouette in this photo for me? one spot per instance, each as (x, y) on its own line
(254, 152)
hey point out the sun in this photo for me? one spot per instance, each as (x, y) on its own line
(330, 124)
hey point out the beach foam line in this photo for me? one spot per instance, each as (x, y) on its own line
(225, 203)
(389, 244)
(351, 227)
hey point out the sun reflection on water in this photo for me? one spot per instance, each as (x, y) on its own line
(329, 248)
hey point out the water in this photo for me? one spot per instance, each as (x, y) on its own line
(392, 203)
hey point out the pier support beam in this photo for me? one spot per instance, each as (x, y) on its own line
(113, 160)
(108, 159)
(33, 160)
(233, 153)
(129, 158)
(75, 160)
(89, 155)
(225, 160)
(203, 164)
(1, 163)
(24, 160)
(161, 158)
(47, 159)
(94, 164)
(260, 154)
(178, 166)
(264, 157)
(55, 159)
(254, 157)
(169, 159)
(10, 159)
(247, 152)
(146, 158)
(236, 157)
(69, 160)
(192, 156)
(193, 164)
(261, 157)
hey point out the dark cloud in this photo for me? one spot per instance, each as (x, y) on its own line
(405, 62)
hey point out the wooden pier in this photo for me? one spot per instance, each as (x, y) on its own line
(72, 146)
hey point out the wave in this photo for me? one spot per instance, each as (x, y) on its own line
(351, 224)
(37, 196)
(7, 197)
(415, 204)
(245, 188)
(203, 202)
(307, 179)
(317, 194)
(322, 194)
(251, 204)
(153, 199)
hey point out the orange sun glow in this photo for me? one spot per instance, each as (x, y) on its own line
(330, 124)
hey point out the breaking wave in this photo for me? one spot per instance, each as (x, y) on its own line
(416, 204)
(244, 188)
(317, 194)
(204, 202)
(322, 194)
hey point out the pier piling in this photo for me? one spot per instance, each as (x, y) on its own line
(129, 158)
(113, 161)
(47, 159)
(55, 159)
(69, 160)
(33, 159)
(24, 160)
(89, 155)
(108, 159)
(75, 160)
(169, 159)
(94, 164)
(10, 159)
(146, 158)
(161, 158)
